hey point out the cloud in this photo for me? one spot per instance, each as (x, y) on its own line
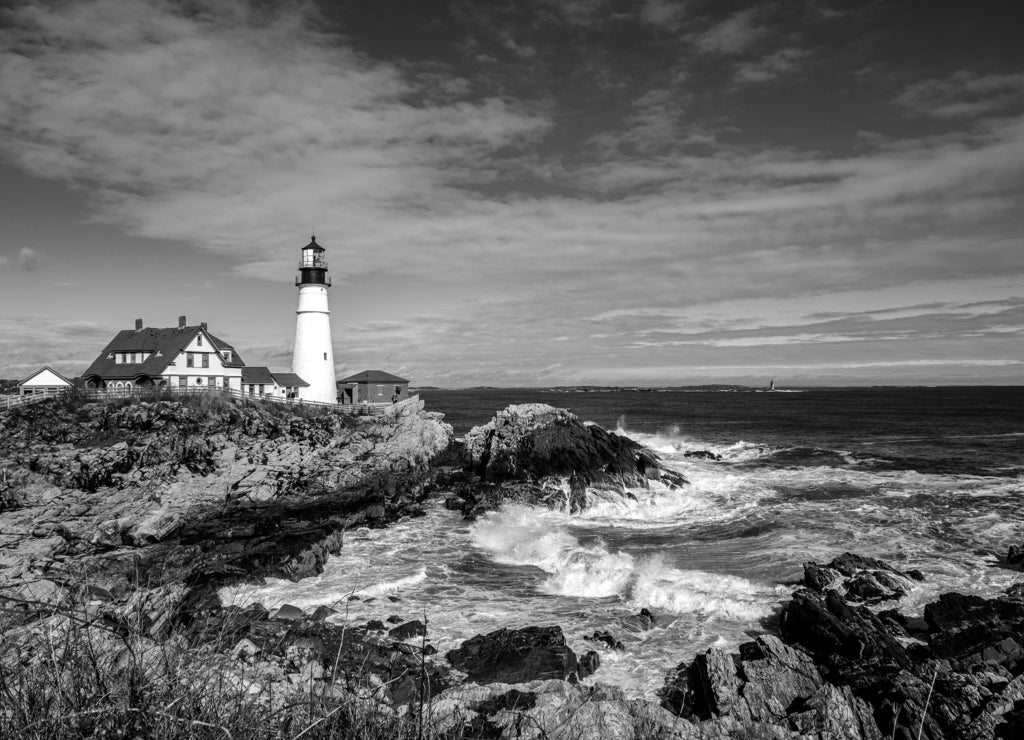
(28, 259)
(186, 126)
(781, 63)
(28, 342)
(965, 94)
(734, 35)
(666, 13)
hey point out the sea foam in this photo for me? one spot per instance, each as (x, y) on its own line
(521, 535)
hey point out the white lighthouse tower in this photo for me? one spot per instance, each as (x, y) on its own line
(313, 358)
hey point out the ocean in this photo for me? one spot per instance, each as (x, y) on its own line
(927, 478)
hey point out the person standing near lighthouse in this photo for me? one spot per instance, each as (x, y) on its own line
(313, 357)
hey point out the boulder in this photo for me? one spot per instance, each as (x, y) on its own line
(528, 451)
(517, 655)
(408, 630)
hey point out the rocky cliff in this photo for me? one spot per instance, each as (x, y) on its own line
(118, 495)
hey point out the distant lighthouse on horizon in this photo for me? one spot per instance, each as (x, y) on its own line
(313, 357)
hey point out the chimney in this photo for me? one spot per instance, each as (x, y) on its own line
(181, 322)
(138, 324)
(203, 324)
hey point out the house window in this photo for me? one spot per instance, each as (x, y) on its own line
(227, 356)
(190, 359)
(226, 383)
(182, 381)
(206, 360)
(199, 340)
(325, 355)
(134, 358)
(261, 389)
(211, 381)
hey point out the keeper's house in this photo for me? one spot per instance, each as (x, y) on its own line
(373, 386)
(182, 357)
(262, 381)
(44, 382)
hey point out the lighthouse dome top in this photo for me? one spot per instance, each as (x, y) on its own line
(313, 245)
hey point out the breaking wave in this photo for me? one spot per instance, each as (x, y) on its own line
(521, 535)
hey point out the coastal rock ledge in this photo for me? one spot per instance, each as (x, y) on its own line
(541, 455)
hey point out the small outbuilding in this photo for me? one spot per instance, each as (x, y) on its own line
(44, 382)
(373, 386)
(262, 381)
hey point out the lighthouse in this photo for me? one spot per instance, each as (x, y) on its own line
(313, 358)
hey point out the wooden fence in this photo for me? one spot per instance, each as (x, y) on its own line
(10, 402)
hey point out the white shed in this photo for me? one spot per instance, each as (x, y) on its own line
(44, 381)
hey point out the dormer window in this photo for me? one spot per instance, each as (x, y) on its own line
(227, 355)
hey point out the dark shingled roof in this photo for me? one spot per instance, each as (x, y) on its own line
(373, 376)
(163, 346)
(290, 380)
(258, 375)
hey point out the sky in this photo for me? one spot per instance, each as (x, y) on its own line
(527, 192)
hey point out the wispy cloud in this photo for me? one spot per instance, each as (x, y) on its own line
(734, 35)
(781, 63)
(965, 94)
(187, 126)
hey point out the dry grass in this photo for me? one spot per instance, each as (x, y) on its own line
(74, 674)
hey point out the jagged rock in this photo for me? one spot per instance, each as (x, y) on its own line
(321, 613)
(607, 639)
(974, 632)
(526, 452)
(1015, 555)
(873, 587)
(702, 455)
(769, 690)
(408, 630)
(517, 655)
(556, 710)
(860, 578)
(646, 619)
(820, 577)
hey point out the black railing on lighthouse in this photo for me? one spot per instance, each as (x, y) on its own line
(316, 261)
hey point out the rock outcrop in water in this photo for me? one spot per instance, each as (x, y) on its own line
(527, 451)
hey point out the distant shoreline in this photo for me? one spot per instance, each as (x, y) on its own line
(699, 388)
